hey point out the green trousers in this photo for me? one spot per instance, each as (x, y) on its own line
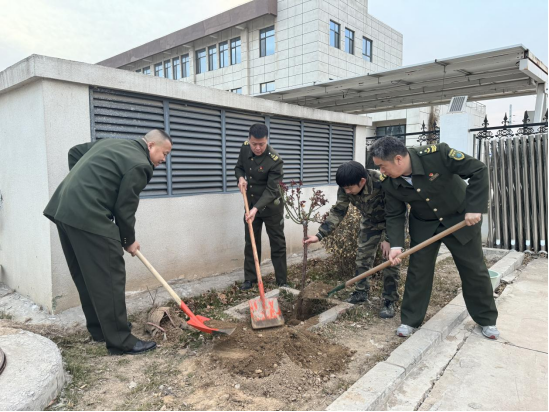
(275, 230)
(96, 264)
(368, 243)
(475, 280)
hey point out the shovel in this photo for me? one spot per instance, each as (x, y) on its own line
(265, 312)
(195, 321)
(401, 256)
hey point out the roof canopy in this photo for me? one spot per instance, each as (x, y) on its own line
(506, 72)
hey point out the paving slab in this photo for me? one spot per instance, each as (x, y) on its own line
(487, 375)
(416, 346)
(34, 374)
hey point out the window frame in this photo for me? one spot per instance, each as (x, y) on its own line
(159, 73)
(236, 47)
(212, 58)
(365, 42)
(266, 84)
(224, 52)
(236, 90)
(176, 68)
(146, 70)
(168, 72)
(337, 35)
(264, 39)
(349, 41)
(198, 61)
(185, 61)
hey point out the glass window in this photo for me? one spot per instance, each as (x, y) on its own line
(334, 34)
(267, 87)
(237, 91)
(185, 66)
(366, 49)
(138, 71)
(235, 51)
(201, 61)
(158, 70)
(394, 130)
(212, 57)
(147, 70)
(168, 69)
(223, 54)
(176, 72)
(349, 41)
(266, 41)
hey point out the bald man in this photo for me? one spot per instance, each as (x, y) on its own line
(94, 210)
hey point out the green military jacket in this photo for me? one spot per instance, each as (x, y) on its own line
(263, 173)
(100, 194)
(439, 194)
(370, 202)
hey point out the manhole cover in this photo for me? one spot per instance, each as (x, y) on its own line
(2, 361)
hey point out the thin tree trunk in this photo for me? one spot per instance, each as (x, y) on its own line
(304, 268)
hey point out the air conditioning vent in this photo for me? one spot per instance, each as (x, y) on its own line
(457, 104)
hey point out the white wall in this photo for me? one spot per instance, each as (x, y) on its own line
(24, 231)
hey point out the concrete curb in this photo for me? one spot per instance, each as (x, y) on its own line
(507, 266)
(34, 373)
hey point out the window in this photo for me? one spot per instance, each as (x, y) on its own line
(235, 51)
(392, 131)
(334, 34)
(366, 49)
(223, 54)
(185, 66)
(147, 70)
(138, 71)
(168, 69)
(267, 87)
(212, 57)
(237, 91)
(158, 70)
(266, 41)
(176, 72)
(201, 61)
(349, 41)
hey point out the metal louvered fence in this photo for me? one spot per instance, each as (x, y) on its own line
(517, 214)
(207, 140)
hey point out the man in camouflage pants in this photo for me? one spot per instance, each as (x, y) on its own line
(362, 188)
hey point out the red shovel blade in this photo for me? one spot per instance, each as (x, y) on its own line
(268, 316)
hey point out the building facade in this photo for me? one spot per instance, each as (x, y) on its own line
(284, 44)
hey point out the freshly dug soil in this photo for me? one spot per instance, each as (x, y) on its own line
(259, 353)
(311, 301)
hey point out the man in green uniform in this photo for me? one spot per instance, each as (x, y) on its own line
(430, 180)
(94, 210)
(362, 188)
(259, 172)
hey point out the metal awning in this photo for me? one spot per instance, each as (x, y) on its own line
(506, 72)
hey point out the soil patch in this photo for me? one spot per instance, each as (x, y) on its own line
(256, 354)
(312, 301)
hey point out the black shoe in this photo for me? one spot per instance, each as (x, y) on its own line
(101, 340)
(358, 296)
(388, 310)
(141, 346)
(247, 284)
(282, 285)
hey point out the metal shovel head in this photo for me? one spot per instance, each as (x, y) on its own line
(198, 323)
(269, 316)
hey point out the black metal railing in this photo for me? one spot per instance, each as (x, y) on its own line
(523, 129)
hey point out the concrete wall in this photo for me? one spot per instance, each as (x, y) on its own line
(24, 233)
(303, 55)
(44, 110)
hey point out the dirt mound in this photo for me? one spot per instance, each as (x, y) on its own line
(259, 353)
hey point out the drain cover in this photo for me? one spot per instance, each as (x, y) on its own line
(2, 361)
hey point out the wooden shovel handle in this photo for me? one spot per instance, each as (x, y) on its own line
(158, 277)
(407, 253)
(254, 247)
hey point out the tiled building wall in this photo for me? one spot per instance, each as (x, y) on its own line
(303, 55)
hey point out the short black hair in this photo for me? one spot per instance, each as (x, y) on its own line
(258, 130)
(158, 135)
(388, 147)
(350, 174)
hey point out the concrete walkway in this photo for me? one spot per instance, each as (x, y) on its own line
(508, 374)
